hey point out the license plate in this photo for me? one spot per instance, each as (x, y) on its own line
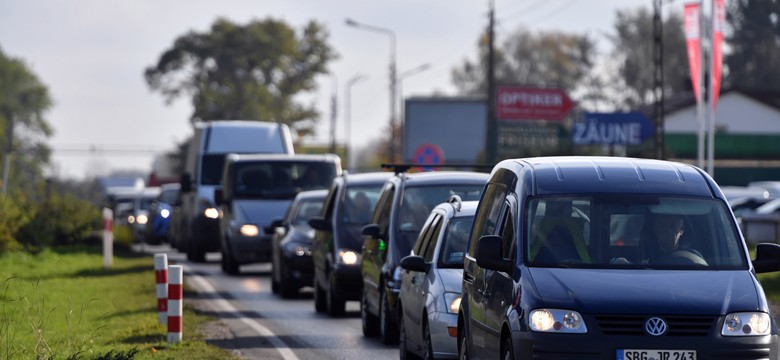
(645, 354)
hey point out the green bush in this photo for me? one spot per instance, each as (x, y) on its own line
(59, 220)
(13, 217)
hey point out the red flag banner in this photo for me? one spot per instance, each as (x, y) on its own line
(718, 21)
(692, 38)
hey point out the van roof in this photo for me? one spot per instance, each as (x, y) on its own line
(601, 174)
(222, 137)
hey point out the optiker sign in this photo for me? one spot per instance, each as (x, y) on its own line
(519, 103)
(630, 128)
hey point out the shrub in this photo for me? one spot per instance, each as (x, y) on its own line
(60, 220)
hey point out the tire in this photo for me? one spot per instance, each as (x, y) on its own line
(507, 353)
(274, 276)
(387, 323)
(195, 251)
(286, 288)
(369, 321)
(320, 303)
(463, 349)
(428, 350)
(229, 265)
(336, 305)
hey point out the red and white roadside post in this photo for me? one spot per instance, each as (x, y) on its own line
(175, 299)
(108, 237)
(161, 278)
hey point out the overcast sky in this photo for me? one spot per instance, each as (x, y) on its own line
(91, 54)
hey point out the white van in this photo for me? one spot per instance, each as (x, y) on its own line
(198, 223)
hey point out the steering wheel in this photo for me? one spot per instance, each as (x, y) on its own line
(681, 257)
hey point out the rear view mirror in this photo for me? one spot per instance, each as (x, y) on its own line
(371, 230)
(415, 263)
(489, 255)
(185, 182)
(319, 223)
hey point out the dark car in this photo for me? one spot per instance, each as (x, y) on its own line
(291, 244)
(258, 188)
(160, 212)
(337, 246)
(548, 275)
(406, 201)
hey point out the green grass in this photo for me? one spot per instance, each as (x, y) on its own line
(62, 304)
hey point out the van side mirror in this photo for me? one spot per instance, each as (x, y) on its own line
(219, 197)
(319, 223)
(371, 230)
(489, 255)
(415, 263)
(767, 258)
(185, 182)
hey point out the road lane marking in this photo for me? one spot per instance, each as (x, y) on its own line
(223, 305)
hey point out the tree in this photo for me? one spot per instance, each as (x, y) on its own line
(545, 59)
(23, 101)
(754, 59)
(633, 49)
(251, 72)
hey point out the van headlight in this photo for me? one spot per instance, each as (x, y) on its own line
(249, 230)
(746, 324)
(142, 219)
(557, 320)
(211, 213)
(452, 302)
(348, 257)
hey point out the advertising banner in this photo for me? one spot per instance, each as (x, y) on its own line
(718, 21)
(620, 128)
(692, 38)
(523, 103)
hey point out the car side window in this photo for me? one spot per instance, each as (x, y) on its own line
(424, 238)
(488, 214)
(507, 234)
(382, 212)
(330, 201)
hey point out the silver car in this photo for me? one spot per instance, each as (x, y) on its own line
(432, 280)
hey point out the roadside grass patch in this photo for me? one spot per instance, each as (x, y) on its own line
(62, 304)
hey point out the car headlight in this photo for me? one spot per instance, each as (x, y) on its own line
(131, 219)
(348, 257)
(557, 320)
(142, 219)
(165, 213)
(248, 230)
(211, 213)
(452, 302)
(296, 249)
(746, 324)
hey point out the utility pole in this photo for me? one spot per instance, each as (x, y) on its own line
(333, 114)
(492, 125)
(658, 79)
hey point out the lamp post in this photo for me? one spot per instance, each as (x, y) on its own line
(347, 117)
(392, 78)
(403, 75)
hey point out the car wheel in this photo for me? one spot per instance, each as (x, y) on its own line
(428, 354)
(274, 277)
(286, 287)
(228, 263)
(387, 326)
(369, 321)
(336, 305)
(319, 297)
(403, 345)
(464, 347)
(506, 349)
(195, 252)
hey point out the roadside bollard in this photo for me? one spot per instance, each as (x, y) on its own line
(175, 298)
(161, 277)
(108, 237)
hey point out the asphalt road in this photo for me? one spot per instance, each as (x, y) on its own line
(262, 325)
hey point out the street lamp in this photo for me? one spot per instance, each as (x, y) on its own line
(400, 80)
(347, 114)
(392, 78)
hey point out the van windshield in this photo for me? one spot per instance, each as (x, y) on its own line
(280, 179)
(632, 232)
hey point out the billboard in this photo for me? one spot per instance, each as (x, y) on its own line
(621, 128)
(523, 103)
(439, 128)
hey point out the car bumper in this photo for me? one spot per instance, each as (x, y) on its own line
(598, 346)
(299, 269)
(444, 345)
(247, 250)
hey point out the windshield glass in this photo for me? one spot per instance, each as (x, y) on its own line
(359, 202)
(454, 242)
(306, 210)
(631, 232)
(417, 204)
(280, 179)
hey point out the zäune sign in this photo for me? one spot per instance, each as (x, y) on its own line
(521, 103)
(627, 128)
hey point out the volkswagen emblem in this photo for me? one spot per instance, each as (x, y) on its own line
(655, 326)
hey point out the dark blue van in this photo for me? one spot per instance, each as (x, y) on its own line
(611, 258)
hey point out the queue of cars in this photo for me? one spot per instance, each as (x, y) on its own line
(617, 258)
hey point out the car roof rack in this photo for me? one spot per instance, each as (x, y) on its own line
(456, 202)
(404, 167)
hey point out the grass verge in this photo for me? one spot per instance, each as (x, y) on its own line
(62, 304)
